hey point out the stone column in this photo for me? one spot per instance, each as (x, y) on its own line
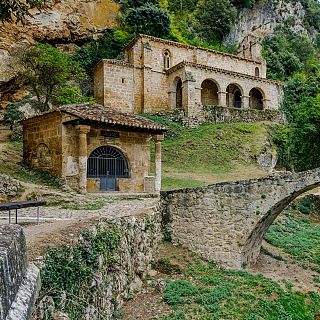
(158, 138)
(245, 102)
(83, 157)
(265, 104)
(222, 98)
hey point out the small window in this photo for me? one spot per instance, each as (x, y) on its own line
(166, 59)
(256, 72)
(122, 80)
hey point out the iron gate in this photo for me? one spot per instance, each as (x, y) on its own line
(107, 164)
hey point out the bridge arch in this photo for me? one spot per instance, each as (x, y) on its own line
(252, 247)
(226, 222)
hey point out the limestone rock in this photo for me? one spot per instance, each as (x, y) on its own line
(264, 17)
(66, 21)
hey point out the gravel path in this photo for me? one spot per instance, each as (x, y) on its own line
(60, 225)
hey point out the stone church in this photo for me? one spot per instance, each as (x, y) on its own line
(95, 149)
(157, 75)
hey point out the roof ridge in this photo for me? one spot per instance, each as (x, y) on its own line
(133, 41)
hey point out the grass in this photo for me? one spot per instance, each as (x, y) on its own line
(296, 235)
(11, 164)
(204, 291)
(200, 156)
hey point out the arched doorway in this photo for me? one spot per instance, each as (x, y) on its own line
(256, 99)
(234, 96)
(209, 93)
(107, 164)
(179, 94)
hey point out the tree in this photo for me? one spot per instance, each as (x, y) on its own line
(148, 19)
(18, 9)
(46, 70)
(214, 19)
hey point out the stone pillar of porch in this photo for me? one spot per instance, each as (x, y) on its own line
(158, 138)
(83, 157)
(265, 104)
(245, 102)
(222, 98)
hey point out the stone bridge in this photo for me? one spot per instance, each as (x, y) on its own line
(226, 222)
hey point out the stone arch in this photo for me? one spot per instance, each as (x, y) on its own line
(107, 164)
(257, 72)
(256, 98)
(43, 156)
(176, 89)
(234, 95)
(252, 246)
(209, 93)
(166, 59)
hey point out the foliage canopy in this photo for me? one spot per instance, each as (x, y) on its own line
(46, 70)
(18, 9)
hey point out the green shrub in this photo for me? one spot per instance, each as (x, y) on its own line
(147, 19)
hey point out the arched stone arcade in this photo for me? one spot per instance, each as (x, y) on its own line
(209, 93)
(234, 96)
(256, 99)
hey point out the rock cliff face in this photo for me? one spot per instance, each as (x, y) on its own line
(67, 21)
(264, 17)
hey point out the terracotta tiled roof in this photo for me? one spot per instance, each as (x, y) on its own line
(99, 113)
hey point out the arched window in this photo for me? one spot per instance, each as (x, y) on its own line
(256, 72)
(166, 59)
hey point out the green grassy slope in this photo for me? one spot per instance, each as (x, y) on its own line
(212, 152)
(197, 289)
(297, 234)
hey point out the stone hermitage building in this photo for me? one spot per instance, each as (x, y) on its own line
(94, 149)
(157, 75)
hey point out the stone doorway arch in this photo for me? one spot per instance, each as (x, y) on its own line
(256, 99)
(107, 164)
(179, 94)
(209, 93)
(234, 96)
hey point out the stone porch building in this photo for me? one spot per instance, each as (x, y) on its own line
(94, 149)
(158, 75)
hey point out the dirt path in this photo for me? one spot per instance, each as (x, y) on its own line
(60, 226)
(301, 278)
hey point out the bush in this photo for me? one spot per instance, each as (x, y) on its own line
(214, 19)
(45, 69)
(148, 19)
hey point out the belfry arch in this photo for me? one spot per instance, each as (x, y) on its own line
(234, 96)
(209, 93)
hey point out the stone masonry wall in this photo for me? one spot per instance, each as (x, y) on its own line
(9, 188)
(180, 52)
(113, 282)
(226, 222)
(42, 143)
(134, 145)
(19, 281)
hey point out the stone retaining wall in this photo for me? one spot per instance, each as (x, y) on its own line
(113, 283)
(9, 188)
(19, 281)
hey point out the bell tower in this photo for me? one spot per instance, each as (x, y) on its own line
(251, 48)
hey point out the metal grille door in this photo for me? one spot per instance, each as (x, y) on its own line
(107, 164)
